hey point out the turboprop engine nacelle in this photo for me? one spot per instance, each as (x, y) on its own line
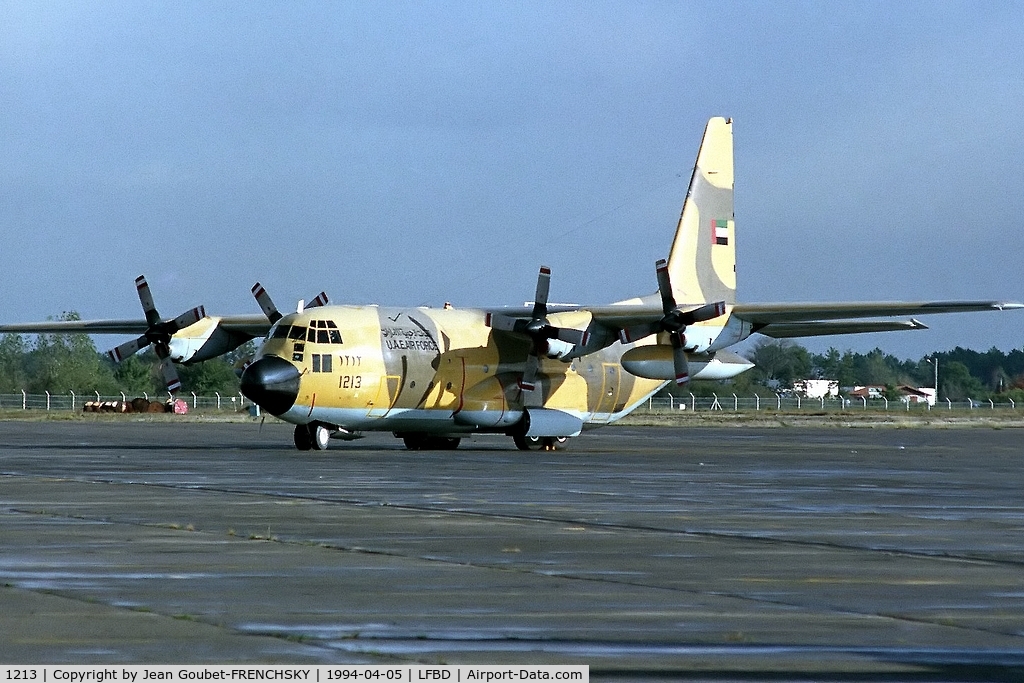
(655, 362)
(202, 341)
(556, 348)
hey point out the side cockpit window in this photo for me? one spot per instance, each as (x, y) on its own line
(297, 332)
(279, 332)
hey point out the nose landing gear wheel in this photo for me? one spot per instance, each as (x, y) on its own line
(303, 439)
(315, 437)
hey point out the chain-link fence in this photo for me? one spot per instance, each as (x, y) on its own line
(73, 401)
(778, 403)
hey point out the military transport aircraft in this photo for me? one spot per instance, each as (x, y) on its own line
(540, 374)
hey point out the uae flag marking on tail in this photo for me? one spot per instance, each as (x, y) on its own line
(720, 231)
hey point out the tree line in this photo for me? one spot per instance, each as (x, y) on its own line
(60, 363)
(963, 373)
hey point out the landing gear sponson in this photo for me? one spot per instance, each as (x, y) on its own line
(316, 436)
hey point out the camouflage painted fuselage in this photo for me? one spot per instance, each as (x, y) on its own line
(440, 371)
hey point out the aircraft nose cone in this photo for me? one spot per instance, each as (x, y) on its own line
(272, 383)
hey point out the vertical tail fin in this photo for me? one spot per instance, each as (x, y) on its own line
(702, 262)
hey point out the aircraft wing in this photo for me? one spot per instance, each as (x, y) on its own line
(805, 319)
(87, 326)
(813, 319)
(253, 325)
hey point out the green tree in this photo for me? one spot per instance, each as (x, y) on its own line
(833, 365)
(781, 361)
(136, 375)
(13, 349)
(958, 384)
(60, 363)
(209, 377)
(872, 369)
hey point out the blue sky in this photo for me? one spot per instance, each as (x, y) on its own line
(413, 153)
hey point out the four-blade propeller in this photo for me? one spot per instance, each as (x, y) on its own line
(158, 334)
(540, 332)
(674, 322)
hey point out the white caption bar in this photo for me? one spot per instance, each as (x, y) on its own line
(240, 673)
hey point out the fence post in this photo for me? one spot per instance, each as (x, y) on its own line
(865, 400)
(72, 400)
(124, 399)
(97, 397)
(886, 403)
(47, 400)
(693, 402)
(949, 404)
(970, 403)
(798, 401)
(1013, 406)
(195, 401)
(823, 404)
(992, 404)
(735, 403)
(757, 402)
(218, 399)
(778, 402)
(24, 400)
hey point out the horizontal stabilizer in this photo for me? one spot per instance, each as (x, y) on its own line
(813, 329)
(763, 314)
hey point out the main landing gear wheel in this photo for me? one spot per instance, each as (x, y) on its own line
(312, 436)
(422, 442)
(540, 443)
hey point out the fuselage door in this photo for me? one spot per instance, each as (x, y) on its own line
(387, 394)
(610, 381)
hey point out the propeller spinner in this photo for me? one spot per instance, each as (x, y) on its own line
(158, 334)
(675, 321)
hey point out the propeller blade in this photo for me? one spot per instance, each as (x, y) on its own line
(320, 300)
(146, 297)
(266, 303)
(668, 299)
(700, 314)
(170, 374)
(127, 349)
(631, 334)
(504, 323)
(679, 360)
(528, 382)
(540, 301)
(187, 318)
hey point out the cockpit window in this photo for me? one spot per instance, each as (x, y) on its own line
(297, 332)
(323, 332)
(279, 332)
